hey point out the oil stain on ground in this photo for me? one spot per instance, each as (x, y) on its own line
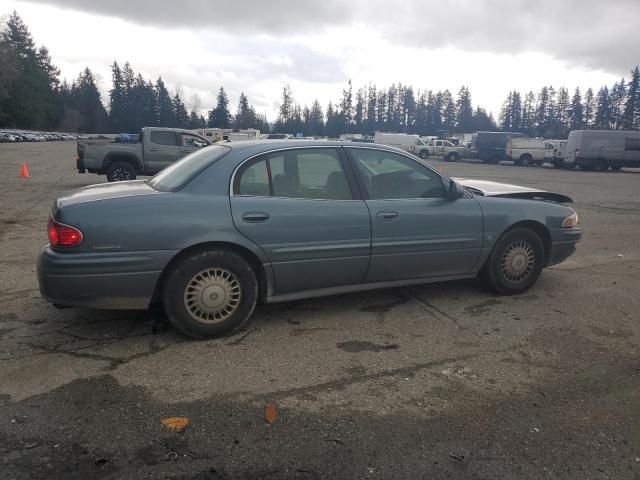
(357, 346)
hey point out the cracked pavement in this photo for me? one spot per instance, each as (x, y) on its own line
(434, 381)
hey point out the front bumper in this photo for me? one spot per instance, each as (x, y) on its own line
(106, 280)
(563, 244)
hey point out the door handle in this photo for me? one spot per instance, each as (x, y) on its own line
(152, 149)
(255, 217)
(387, 215)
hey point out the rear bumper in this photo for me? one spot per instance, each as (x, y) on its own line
(108, 280)
(563, 244)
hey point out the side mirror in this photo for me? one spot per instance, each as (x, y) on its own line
(455, 190)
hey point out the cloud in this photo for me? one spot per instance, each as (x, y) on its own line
(590, 33)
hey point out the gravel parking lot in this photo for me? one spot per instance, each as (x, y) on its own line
(435, 381)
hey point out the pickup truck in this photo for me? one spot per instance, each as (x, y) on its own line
(156, 149)
(446, 149)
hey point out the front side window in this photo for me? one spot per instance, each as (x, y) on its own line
(192, 141)
(163, 138)
(306, 173)
(387, 175)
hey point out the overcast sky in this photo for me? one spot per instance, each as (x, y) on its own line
(492, 46)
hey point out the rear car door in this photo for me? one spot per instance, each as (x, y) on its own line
(161, 150)
(417, 232)
(298, 205)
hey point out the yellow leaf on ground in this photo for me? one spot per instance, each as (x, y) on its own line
(175, 424)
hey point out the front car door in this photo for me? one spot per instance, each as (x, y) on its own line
(161, 150)
(417, 232)
(298, 205)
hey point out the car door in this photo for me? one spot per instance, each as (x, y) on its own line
(298, 206)
(417, 232)
(161, 150)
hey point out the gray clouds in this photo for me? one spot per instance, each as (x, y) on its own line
(591, 33)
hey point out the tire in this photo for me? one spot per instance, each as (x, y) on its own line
(494, 159)
(600, 165)
(452, 157)
(210, 293)
(120, 171)
(524, 160)
(424, 154)
(515, 262)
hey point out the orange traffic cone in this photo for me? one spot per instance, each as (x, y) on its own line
(24, 171)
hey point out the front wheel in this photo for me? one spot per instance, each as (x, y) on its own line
(452, 157)
(210, 293)
(515, 262)
(120, 171)
(424, 154)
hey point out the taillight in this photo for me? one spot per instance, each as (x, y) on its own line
(61, 235)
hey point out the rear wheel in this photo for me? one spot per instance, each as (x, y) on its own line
(210, 293)
(524, 160)
(120, 171)
(515, 262)
(600, 165)
(452, 157)
(424, 154)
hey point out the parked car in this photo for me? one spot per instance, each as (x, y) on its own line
(446, 149)
(7, 137)
(156, 149)
(528, 151)
(490, 147)
(600, 150)
(235, 224)
(409, 143)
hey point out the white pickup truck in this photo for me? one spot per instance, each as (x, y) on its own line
(529, 151)
(446, 149)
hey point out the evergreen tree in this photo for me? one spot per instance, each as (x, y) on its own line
(333, 127)
(166, 114)
(589, 108)
(245, 114)
(316, 120)
(506, 113)
(221, 117)
(617, 96)
(422, 117)
(464, 110)
(346, 108)
(528, 114)
(631, 116)
(603, 109)
(371, 123)
(117, 100)
(180, 111)
(448, 111)
(86, 99)
(409, 110)
(359, 115)
(576, 114)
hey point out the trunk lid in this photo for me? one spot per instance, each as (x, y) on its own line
(104, 191)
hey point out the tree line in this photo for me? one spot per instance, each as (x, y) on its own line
(33, 97)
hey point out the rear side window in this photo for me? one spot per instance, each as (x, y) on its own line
(632, 144)
(306, 173)
(164, 138)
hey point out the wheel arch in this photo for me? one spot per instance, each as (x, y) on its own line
(122, 157)
(264, 286)
(538, 228)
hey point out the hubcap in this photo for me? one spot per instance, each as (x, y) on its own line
(517, 261)
(212, 295)
(121, 174)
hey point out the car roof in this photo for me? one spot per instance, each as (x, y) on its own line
(253, 147)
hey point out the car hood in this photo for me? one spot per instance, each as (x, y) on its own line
(496, 189)
(104, 191)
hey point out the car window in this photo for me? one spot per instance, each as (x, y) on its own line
(254, 180)
(178, 174)
(305, 173)
(192, 141)
(388, 175)
(163, 138)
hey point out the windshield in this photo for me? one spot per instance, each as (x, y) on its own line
(177, 175)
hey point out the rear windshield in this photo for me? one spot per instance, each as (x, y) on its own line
(178, 174)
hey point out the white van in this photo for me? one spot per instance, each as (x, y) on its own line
(600, 150)
(409, 143)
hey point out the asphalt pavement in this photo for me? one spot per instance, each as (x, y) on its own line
(436, 381)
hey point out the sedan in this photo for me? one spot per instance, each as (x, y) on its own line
(236, 224)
